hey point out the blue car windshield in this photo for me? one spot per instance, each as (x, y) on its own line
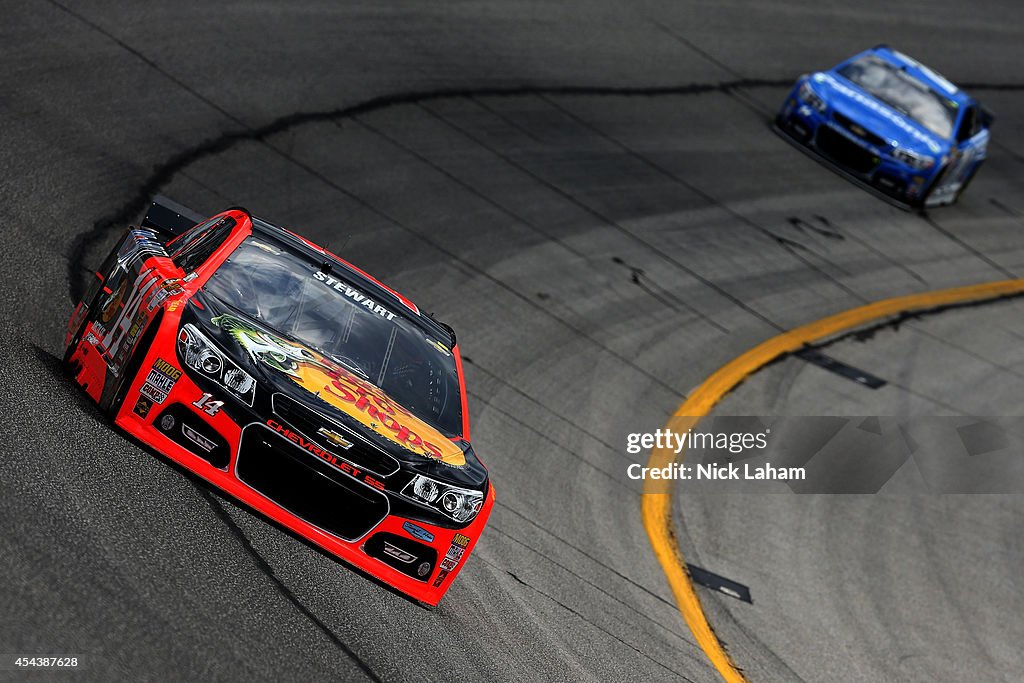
(288, 293)
(903, 92)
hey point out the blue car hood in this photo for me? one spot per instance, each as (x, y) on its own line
(876, 116)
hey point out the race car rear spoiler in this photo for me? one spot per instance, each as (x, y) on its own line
(170, 218)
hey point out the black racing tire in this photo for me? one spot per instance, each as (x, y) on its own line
(923, 199)
(111, 403)
(77, 336)
(967, 181)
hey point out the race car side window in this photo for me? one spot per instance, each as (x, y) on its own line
(199, 243)
(968, 125)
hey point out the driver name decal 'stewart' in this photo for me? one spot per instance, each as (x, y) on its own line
(354, 294)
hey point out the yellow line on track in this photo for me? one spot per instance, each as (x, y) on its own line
(657, 499)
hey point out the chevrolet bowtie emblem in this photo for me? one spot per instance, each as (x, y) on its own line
(857, 130)
(334, 438)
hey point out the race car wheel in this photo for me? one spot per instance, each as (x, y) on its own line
(923, 199)
(967, 181)
(111, 402)
(77, 337)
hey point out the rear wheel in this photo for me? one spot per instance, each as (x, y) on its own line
(77, 336)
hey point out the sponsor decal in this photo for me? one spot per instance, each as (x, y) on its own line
(142, 406)
(334, 384)
(153, 393)
(441, 576)
(452, 557)
(354, 294)
(113, 302)
(439, 346)
(266, 247)
(126, 319)
(328, 457)
(158, 295)
(197, 438)
(160, 381)
(418, 532)
(166, 369)
(461, 540)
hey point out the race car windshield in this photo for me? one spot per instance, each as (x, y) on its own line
(903, 92)
(288, 293)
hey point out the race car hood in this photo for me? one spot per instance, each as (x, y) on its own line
(284, 365)
(876, 116)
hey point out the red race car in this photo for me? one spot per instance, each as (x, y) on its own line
(293, 381)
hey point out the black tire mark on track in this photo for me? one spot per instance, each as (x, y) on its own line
(750, 103)
(164, 172)
(665, 297)
(286, 592)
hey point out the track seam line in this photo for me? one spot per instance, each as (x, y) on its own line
(656, 503)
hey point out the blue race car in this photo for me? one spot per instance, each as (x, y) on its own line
(892, 124)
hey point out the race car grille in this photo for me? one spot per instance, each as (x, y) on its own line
(300, 483)
(845, 152)
(316, 427)
(858, 130)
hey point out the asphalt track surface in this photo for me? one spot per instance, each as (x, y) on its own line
(589, 193)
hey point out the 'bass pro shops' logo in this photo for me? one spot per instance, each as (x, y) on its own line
(353, 395)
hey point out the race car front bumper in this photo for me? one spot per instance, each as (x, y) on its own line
(863, 157)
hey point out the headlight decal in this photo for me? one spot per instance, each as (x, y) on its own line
(913, 159)
(459, 504)
(812, 98)
(200, 354)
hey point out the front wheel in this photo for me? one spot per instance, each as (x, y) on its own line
(967, 181)
(939, 177)
(110, 402)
